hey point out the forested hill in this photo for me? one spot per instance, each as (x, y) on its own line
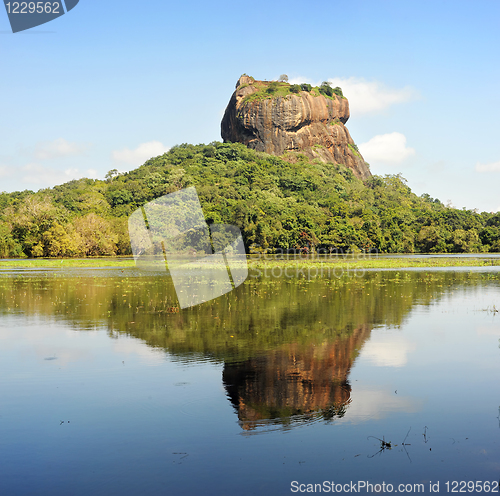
(277, 203)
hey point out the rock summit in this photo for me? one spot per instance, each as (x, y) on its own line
(276, 117)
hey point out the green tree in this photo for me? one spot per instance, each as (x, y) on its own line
(59, 243)
(119, 196)
(273, 86)
(338, 91)
(9, 247)
(97, 235)
(31, 219)
(466, 241)
(430, 240)
(326, 89)
(112, 174)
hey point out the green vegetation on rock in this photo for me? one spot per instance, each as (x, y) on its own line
(354, 149)
(281, 88)
(327, 90)
(335, 122)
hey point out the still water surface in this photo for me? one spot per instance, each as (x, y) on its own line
(106, 388)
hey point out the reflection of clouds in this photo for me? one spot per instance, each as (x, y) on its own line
(63, 355)
(488, 330)
(131, 346)
(368, 404)
(387, 350)
(46, 341)
(41, 340)
(37, 330)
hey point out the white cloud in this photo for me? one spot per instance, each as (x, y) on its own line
(300, 80)
(48, 176)
(371, 96)
(48, 150)
(142, 153)
(366, 96)
(492, 167)
(386, 148)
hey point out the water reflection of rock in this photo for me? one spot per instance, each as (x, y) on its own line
(294, 384)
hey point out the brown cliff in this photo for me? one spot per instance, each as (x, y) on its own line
(269, 117)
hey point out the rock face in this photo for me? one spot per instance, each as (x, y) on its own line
(294, 382)
(305, 122)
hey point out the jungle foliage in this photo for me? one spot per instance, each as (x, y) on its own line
(278, 203)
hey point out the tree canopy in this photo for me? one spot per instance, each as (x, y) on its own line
(279, 203)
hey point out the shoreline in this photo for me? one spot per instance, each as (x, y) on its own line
(399, 261)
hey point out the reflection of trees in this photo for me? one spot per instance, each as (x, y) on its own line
(257, 316)
(294, 384)
(287, 345)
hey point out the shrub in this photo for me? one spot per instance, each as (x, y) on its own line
(335, 122)
(306, 87)
(338, 91)
(295, 88)
(326, 89)
(355, 149)
(272, 87)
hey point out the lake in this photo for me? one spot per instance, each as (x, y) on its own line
(377, 377)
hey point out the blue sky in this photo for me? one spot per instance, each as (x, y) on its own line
(110, 84)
